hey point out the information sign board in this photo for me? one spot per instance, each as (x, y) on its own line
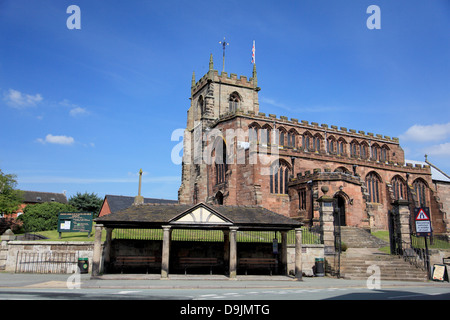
(75, 222)
(423, 221)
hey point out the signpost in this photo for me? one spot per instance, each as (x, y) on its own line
(423, 222)
(423, 228)
(75, 222)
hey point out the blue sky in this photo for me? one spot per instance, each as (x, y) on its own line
(85, 109)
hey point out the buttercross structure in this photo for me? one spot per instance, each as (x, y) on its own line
(236, 155)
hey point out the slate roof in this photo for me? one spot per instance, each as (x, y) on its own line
(156, 215)
(40, 197)
(118, 203)
(436, 173)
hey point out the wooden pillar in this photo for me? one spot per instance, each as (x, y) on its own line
(97, 255)
(284, 252)
(298, 253)
(233, 252)
(165, 252)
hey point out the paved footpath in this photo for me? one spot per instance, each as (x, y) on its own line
(12, 280)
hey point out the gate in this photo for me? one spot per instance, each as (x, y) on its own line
(394, 233)
(46, 262)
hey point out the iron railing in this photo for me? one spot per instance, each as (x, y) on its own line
(308, 236)
(46, 262)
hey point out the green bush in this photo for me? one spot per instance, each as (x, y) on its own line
(43, 216)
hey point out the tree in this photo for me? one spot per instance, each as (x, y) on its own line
(87, 202)
(10, 198)
(43, 216)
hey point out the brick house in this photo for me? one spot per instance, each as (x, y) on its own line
(35, 197)
(113, 203)
(236, 155)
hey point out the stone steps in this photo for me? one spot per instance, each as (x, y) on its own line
(363, 252)
(360, 238)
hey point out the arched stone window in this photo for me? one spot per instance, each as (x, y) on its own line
(317, 143)
(253, 131)
(201, 105)
(331, 145)
(373, 183)
(421, 189)
(220, 160)
(279, 177)
(399, 188)
(364, 150)
(341, 146)
(282, 137)
(375, 148)
(354, 148)
(384, 153)
(234, 101)
(291, 138)
(307, 141)
(266, 132)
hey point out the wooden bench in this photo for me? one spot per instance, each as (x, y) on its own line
(257, 263)
(187, 262)
(145, 261)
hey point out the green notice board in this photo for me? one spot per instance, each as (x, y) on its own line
(75, 222)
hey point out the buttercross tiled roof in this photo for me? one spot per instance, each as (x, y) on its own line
(162, 214)
(118, 203)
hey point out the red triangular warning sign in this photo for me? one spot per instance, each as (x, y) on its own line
(421, 215)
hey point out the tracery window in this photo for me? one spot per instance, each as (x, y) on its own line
(253, 133)
(306, 141)
(399, 188)
(373, 184)
(331, 145)
(363, 150)
(384, 154)
(234, 102)
(375, 152)
(291, 139)
(221, 161)
(316, 143)
(341, 147)
(265, 135)
(354, 146)
(279, 177)
(302, 199)
(421, 188)
(282, 137)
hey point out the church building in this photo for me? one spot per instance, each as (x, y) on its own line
(236, 155)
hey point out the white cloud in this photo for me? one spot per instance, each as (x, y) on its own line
(75, 110)
(78, 111)
(64, 140)
(19, 100)
(420, 133)
(442, 149)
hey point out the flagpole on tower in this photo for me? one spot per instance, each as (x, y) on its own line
(224, 44)
(253, 53)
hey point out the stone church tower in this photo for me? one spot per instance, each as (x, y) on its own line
(233, 154)
(213, 97)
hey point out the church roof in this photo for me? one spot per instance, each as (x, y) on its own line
(156, 215)
(436, 173)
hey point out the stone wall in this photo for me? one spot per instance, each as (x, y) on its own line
(11, 250)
